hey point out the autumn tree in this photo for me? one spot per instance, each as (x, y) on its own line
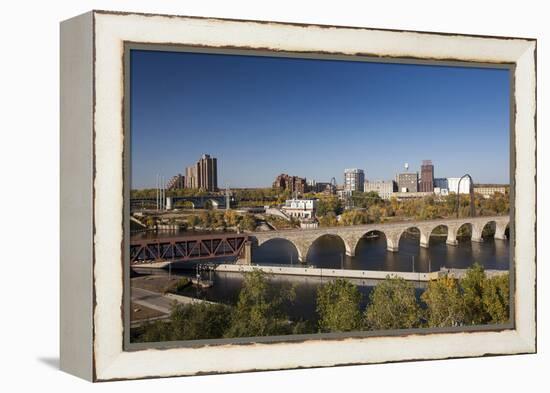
(496, 298)
(472, 288)
(248, 222)
(392, 305)
(192, 221)
(444, 303)
(338, 306)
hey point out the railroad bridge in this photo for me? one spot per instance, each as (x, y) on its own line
(303, 239)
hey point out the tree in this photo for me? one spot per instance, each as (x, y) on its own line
(249, 222)
(206, 219)
(444, 303)
(193, 221)
(328, 220)
(329, 204)
(496, 298)
(188, 322)
(199, 321)
(338, 306)
(259, 310)
(472, 288)
(231, 218)
(375, 212)
(392, 305)
(354, 217)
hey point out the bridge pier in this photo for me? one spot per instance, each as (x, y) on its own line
(246, 259)
(425, 236)
(392, 242)
(451, 236)
(477, 232)
(392, 248)
(500, 232)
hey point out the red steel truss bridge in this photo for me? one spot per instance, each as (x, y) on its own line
(187, 248)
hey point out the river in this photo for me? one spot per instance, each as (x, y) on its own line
(371, 254)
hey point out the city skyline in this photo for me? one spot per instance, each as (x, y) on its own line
(264, 116)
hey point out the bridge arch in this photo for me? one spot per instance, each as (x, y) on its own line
(372, 233)
(414, 232)
(488, 229)
(343, 244)
(438, 231)
(278, 250)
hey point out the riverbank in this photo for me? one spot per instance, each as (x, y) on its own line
(149, 301)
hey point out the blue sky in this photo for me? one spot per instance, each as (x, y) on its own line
(261, 116)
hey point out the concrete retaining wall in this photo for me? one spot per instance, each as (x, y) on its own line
(344, 273)
(316, 272)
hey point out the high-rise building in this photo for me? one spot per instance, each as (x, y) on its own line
(426, 176)
(204, 174)
(191, 177)
(407, 182)
(207, 173)
(354, 179)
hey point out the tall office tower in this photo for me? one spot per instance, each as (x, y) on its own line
(207, 173)
(191, 177)
(354, 179)
(204, 174)
(427, 176)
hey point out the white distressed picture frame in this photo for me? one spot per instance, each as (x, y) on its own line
(92, 194)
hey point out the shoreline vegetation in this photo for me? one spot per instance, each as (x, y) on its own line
(367, 208)
(475, 299)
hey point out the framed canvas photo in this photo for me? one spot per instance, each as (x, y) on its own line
(246, 195)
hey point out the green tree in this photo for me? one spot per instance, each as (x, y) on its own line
(192, 221)
(472, 287)
(338, 306)
(496, 298)
(329, 204)
(199, 321)
(444, 303)
(188, 322)
(392, 305)
(259, 310)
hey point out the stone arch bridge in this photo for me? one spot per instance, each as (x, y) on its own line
(303, 239)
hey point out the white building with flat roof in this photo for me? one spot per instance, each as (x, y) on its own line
(300, 208)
